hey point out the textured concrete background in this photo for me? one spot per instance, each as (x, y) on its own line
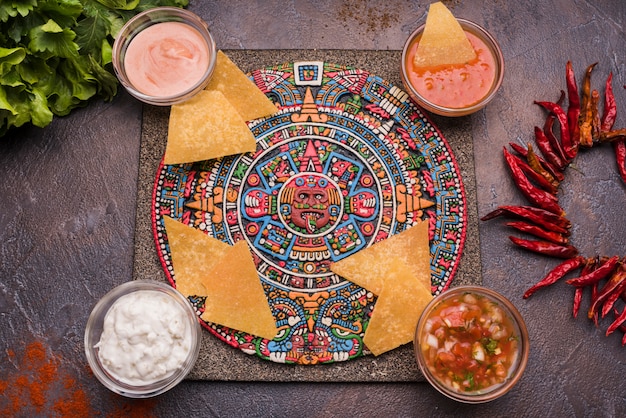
(67, 217)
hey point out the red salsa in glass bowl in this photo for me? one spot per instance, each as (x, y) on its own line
(455, 90)
(471, 344)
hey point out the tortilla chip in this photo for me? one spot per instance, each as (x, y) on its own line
(236, 298)
(398, 308)
(225, 275)
(368, 267)
(443, 41)
(240, 91)
(189, 249)
(204, 127)
(398, 271)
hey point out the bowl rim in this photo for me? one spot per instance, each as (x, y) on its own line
(151, 17)
(493, 45)
(95, 323)
(522, 360)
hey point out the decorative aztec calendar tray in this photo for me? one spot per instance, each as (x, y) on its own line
(347, 161)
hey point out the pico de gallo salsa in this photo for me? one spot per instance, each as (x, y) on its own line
(469, 343)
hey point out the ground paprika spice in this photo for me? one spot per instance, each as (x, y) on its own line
(40, 386)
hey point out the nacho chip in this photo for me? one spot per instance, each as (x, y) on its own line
(397, 310)
(398, 271)
(204, 127)
(236, 298)
(190, 248)
(443, 41)
(225, 275)
(240, 91)
(368, 267)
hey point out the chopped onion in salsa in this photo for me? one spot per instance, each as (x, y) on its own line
(469, 343)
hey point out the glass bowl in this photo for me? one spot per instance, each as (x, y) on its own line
(447, 110)
(170, 51)
(155, 338)
(471, 344)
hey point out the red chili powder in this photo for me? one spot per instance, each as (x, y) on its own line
(39, 386)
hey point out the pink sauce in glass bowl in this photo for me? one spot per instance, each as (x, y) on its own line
(164, 55)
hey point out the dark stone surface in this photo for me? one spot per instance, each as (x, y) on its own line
(68, 196)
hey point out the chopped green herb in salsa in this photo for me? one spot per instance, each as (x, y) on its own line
(469, 343)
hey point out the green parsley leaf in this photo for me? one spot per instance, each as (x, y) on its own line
(56, 55)
(10, 57)
(490, 345)
(50, 37)
(21, 7)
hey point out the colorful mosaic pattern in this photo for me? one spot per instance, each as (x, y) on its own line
(347, 161)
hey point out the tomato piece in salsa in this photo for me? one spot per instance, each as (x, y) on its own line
(469, 343)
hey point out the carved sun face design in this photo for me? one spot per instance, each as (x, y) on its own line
(310, 209)
(310, 203)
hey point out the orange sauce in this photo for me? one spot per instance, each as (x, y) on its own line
(166, 59)
(454, 86)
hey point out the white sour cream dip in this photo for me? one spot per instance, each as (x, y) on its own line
(145, 338)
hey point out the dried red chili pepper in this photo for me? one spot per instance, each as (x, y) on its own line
(535, 164)
(608, 120)
(546, 247)
(594, 287)
(594, 294)
(614, 283)
(541, 217)
(590, 265)
(539, 232)
(555, 274)
(561, 117)
(619, 320)
(619, 147)
(554, 142)
(610, 107)
(585, 120)
(533, 175)
(612, 298)
(573, 109)
(578, 297)
(543, 144)
(598, 274)
(534, 194)
(595, 116)
(612, 136)
(556, 172)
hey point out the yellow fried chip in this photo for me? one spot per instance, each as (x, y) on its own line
(397, 310)
(204, 127)
(368, 267)
(443, 41)
(225, 275)
(236, 298)
(398, 271)
(240, 91)
(190, 248)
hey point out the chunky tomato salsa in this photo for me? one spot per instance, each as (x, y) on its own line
(469, 343)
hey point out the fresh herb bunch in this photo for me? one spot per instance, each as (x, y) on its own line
(56, 54)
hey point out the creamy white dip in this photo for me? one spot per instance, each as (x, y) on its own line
(145, 338)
